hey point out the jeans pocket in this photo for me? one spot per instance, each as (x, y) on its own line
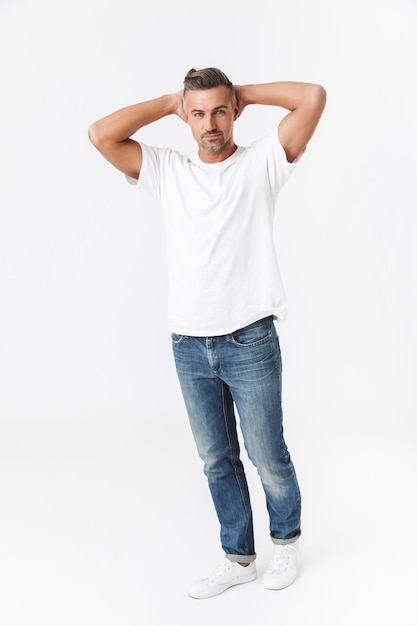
(177, 339)
(254, 334)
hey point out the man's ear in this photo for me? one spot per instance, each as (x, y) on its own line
(235, 112)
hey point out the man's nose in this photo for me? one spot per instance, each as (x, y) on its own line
(210, 122)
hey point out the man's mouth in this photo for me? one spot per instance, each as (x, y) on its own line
(211, 135)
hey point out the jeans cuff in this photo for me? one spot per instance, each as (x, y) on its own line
(282, 542)
(241, 558)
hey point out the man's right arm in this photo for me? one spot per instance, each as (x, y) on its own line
(112, 134)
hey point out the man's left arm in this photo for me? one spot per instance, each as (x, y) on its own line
(305, 101)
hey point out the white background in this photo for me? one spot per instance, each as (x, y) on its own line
(105, 514)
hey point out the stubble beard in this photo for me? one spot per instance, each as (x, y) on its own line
(216, 146)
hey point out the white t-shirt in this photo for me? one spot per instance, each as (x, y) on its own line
(222, 264)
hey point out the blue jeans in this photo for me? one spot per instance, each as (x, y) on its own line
(242, 370)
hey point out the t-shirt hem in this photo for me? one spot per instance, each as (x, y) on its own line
(278, 315)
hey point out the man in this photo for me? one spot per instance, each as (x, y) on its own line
(225, 292)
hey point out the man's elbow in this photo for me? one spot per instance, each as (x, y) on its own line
(99, 133)
(94, 134)
(318, 97)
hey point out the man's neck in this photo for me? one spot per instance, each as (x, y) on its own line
(217, 157)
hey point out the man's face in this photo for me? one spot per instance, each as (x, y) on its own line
(210, 114)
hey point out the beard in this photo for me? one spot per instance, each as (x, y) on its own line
(215, 145)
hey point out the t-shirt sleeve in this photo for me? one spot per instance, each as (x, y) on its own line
(149, 175)
(279, 169)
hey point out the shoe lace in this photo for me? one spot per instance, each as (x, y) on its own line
(280, 558)
(221, 569)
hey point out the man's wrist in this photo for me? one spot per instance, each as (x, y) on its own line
(246, 95)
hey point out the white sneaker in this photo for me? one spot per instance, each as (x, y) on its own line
(224, 576)
(282, 570)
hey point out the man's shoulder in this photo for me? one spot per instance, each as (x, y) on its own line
(165, 156)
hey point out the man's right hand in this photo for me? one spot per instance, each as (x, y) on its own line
(178, 99)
